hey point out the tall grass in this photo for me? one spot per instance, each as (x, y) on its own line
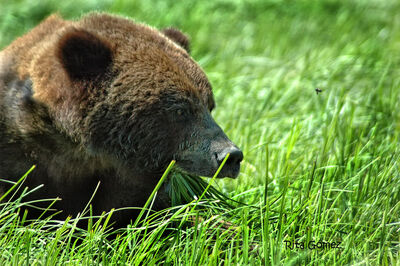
(319, 168)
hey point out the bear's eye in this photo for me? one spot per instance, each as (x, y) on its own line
(180, 112)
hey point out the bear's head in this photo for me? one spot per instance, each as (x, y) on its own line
(133, 95)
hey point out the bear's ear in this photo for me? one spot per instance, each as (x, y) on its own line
(178, 37)
(83, 54)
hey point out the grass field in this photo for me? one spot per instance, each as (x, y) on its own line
(321, 177)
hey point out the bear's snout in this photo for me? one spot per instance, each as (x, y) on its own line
(231, 167)
(207, 150)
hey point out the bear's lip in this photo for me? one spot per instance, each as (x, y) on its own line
(229, 172)
(209, 173)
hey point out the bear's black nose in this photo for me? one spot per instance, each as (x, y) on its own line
(232, 165)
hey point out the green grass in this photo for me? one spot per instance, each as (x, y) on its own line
(317, 166)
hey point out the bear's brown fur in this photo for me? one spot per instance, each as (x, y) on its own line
(105, 99)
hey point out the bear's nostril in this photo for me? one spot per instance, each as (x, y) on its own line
(235, 157)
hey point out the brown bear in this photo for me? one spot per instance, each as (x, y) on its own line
(104, 99)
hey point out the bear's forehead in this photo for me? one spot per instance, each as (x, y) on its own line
(156, 73)
(124, 32)
(142, 53)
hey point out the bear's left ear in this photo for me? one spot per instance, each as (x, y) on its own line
(83, 54)
(178, 37)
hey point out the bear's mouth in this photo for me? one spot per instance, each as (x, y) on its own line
(182, 188)
(231, 173)
(190, 167)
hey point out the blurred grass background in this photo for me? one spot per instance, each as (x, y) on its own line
(333, 157)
